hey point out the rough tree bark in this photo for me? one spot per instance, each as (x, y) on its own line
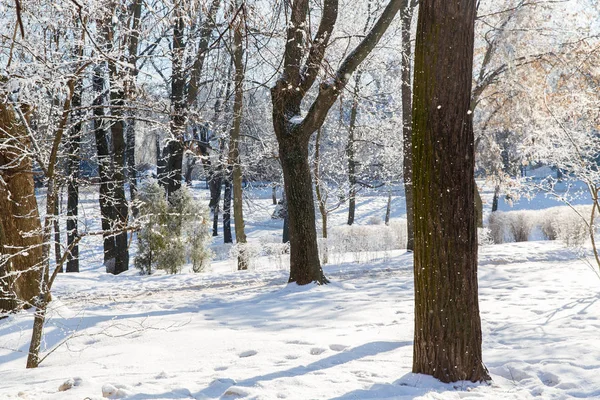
(447, 340)
(21, 257)
(293, 131)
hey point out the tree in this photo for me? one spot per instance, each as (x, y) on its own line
(301, 66)
(408, 8)
(20, 229)
(447, 340)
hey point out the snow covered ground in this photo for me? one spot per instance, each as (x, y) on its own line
(228, 334)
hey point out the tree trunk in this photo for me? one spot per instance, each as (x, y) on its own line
(121, 213)
(305, 266)
(406, 14)
(234, 144)
(56, 227)
(350, 150)
(130, 93)
(388, 208)
(20, 226)
(495, 200)
(104, 166)
(274, 194)
(178, 115)
(447, 340)
(227, 238)
(73, 170)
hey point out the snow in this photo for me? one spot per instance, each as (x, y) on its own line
(229, 334)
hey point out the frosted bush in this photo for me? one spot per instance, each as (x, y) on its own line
(520, 225)
(172, 232)
(484, 236)
(496, 227)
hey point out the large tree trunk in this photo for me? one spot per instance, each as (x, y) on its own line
(20, 226)
(304, 256)
(406, 15)
(104, 166)
(447, 341)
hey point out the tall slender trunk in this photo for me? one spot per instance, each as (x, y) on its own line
(227, 238)
(447, 330)
(121, 212)
(130, 93)
(73, 172)
(234, 143)
(406, 15)
(104, 165)
(350, 150)
(178, 114)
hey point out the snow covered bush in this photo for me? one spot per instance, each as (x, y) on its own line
(520, 225)
(496, 227)
(172, 233)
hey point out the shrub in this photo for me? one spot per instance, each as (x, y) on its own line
(171, 232)
(520, 226)
(496, 227)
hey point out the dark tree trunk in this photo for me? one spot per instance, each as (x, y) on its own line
(216, 221)
(104, 166)
(227, 238)
(447, 340)
(495, 200)
(406, 15)
(388, 208)
(305, 266)
(121, 212)
(274, 194)
(73, 170)
(300, 70)
(175, 148)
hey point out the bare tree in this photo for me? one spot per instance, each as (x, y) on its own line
(301, 66)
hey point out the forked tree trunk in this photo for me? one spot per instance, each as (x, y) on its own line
(447, 340)
(20, 226)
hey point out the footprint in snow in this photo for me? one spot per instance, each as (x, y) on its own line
(315, 351)
(248, 353)
(223, 368)
(338, 347)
